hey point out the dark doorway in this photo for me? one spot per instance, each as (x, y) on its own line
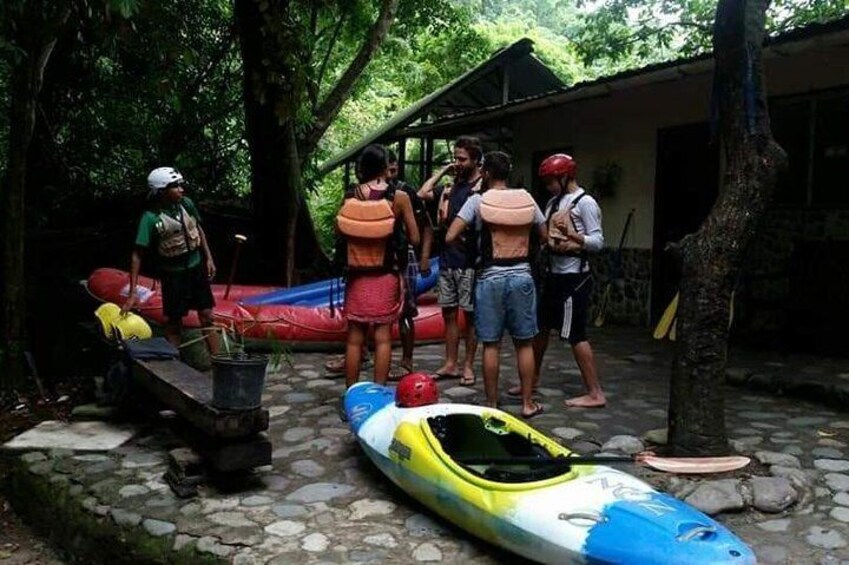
(685, 190)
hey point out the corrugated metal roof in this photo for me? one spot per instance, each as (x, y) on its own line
(480, 87)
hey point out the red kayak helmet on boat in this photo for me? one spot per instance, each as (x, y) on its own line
(416, 389)
(558, 165)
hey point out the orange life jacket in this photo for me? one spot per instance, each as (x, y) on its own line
(556, 238)
(368, 227)
(507, 216)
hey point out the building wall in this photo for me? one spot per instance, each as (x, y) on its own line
(622, 127)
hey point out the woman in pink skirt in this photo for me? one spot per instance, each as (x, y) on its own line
(373, 294)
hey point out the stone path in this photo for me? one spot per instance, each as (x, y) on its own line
(322, 501)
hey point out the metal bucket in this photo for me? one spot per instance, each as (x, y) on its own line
(238, 380)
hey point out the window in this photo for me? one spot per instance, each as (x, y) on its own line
(791, 127)
(815, 133)
(830, 182)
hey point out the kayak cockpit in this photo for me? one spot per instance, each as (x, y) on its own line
(490, 448)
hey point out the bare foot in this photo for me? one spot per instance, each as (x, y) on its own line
(586, 401)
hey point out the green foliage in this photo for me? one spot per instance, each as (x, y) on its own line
(141, 83)
(639, 32)
(124, 95)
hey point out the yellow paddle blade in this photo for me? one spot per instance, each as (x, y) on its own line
(665, 323)
(673, 331)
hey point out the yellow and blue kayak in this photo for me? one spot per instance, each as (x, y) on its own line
(491, 474)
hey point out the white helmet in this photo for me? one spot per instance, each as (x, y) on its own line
(160, 178)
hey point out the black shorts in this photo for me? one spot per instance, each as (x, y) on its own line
(185, 290)
(564, 305)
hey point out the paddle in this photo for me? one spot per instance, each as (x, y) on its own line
(615, 270)
(687, 465)
(665, 323)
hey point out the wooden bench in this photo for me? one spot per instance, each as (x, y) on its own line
(227, 441)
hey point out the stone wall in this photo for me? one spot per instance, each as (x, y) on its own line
(796, 274)
(628, 302)
(790, 288)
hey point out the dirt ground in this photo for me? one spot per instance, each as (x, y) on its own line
(18, 544)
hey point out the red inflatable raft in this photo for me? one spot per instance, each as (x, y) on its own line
(295, 325)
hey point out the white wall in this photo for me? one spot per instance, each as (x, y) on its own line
(622, 127)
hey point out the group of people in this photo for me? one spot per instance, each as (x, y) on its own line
(504, 262)
(507, 264)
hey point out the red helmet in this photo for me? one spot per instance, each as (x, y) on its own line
(416, 389)
(558, 165)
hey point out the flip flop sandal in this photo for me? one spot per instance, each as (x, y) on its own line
(337, 366)
(538, 409)
(399, 371)
(516, 391)
(440, 376)
(468, 382)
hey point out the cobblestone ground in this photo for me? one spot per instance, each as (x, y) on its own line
(322, 500)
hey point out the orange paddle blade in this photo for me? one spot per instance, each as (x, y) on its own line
(694, 465)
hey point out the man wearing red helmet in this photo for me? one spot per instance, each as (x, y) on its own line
(574, 222)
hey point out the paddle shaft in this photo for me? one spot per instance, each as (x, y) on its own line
(583, 460)
(240, 239)
(614, 270)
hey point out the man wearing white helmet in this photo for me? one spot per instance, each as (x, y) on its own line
(172, 230)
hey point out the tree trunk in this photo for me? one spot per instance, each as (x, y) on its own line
(36, 36)
(272, 93)
(713, 256)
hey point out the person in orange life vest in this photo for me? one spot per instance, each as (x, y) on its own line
(185, 262)
(574, 231)
(373, 291)
(457, 259)
(406, 325)
(505, 295)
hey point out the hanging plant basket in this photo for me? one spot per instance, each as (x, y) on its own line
(606, 179)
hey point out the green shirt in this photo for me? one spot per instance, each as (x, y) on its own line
(148, 236)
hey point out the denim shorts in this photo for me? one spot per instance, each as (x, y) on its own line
(505, 302)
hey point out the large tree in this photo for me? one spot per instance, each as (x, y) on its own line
(291, 98)
(713, 256)
(31, 29)
(626, 31)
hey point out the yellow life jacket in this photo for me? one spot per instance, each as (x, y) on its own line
(507, 219)
(177, 237)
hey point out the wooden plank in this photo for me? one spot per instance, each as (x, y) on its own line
(238, 456)
(189, 393)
